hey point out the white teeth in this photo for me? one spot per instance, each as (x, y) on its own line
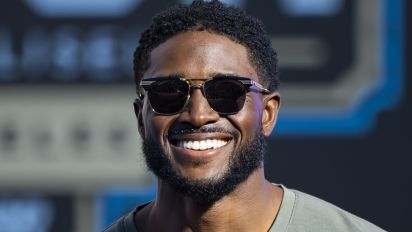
(202, 144)
(196, 145)
(209, 143)
(215, 143)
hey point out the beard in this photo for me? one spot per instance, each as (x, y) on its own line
(242, 163)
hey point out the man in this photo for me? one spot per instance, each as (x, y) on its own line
(207, 83)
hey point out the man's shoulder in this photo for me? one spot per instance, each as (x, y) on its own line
(123, 224)
(126, 222)
(313, 214)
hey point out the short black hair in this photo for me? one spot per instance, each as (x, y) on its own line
(214, 17)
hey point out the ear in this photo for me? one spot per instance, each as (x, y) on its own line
(271, 104)
(138, 108)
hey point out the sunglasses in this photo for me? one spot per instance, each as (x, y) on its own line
(225, 94)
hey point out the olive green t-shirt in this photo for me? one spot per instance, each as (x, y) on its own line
(299, 212)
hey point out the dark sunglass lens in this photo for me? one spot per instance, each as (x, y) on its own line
(225, 96)
(168, 96)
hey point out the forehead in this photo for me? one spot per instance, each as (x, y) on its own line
(200, 54)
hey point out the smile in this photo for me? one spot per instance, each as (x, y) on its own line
(201, 145)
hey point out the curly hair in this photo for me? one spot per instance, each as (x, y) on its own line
(215, 17)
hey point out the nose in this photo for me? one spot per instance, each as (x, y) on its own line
(197, 111)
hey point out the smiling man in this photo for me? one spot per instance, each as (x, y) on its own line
(207, 84)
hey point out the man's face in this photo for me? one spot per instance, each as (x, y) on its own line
(237, 140)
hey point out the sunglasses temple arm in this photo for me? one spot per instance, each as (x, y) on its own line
(259, 86)
(140, 89)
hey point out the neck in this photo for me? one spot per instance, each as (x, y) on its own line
(252, 206)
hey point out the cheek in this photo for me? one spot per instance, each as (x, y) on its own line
(154, 128)
(248, 120)
(156, 125)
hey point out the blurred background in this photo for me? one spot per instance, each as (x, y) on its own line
(70, 156)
